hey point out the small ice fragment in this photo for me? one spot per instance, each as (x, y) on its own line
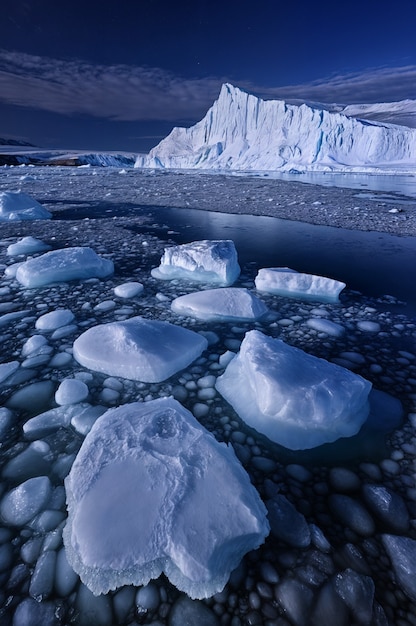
(54, 319)
(71, 391)
(128, 290)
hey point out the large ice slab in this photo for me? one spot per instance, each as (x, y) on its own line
(283, 281)
(152, 491)
(202, 261)
(296, 399)
(63, 265)
(138, 349)
(224, 304)
(16, 205)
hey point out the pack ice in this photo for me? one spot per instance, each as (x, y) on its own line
(283, 281)
(227, 303)
(139, 349)
(152, 491)
(201, 261)
(63, 265)
(296, 399)
(16, 205)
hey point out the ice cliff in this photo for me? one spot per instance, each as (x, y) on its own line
(243, 132)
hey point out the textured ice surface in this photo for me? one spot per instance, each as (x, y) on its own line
(296, 399)
(202, 261)
(16, 205)
(21, 504)
(152, 491)
(227, 303)
(402, 553)
(284, 281)
(27, 245)
(139, 349)
(63, 265)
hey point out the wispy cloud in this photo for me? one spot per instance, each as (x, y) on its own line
(131, 93)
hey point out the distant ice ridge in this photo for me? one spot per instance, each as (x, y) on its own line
(284, 281)
(201, 261)
(294, 398)
(152, 491)
(16, 205)
(243, 132)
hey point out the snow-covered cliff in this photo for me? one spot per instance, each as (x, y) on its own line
(243, 132)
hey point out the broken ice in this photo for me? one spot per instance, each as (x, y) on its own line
(296, 399)
(152, 491)
(228, 303)
(283, 281)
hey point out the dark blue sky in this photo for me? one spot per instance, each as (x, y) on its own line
(117, 75)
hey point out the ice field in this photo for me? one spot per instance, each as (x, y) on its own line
(246, 530)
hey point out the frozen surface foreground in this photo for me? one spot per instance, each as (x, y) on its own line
(150, 491)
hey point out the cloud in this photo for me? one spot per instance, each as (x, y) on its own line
(130, 93)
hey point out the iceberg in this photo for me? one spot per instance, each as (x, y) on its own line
(152, 491)
(296, 399)
(16, 205)
(243, 132)
(201, 261)
(63, 265)
(138, 349)
(224, 304)
(283, 281)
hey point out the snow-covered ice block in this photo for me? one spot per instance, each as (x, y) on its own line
(283, 281)
(138, 349)
(201, 261)
(27, 245)
(296, 399)
(152, 491)
(62, 265)
(16, 205)
(224, 304)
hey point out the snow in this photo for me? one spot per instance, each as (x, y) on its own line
(202, 261)
(63, 265)
(27, 245)
(283, 281)
(16, 205)
(242, 132)
(138, 349)
(152, 491)
(297, 400)
(224, 304)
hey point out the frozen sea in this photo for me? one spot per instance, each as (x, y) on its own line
(343, 519)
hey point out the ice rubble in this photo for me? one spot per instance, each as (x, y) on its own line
(152, 491)
(16, 205)
(63, 265)
(242, 132)
(27, 245)
(202, 261)
(227, 303)
(139, 349)
(283, 281)
(296, 399)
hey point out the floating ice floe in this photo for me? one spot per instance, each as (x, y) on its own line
(201, 261)
(27, 245)
(152, 491)
(54, 319)
(283, 281)
(128, 290)
(297, 400)
(139, 349)
(227, 303)
(16, 205)
(63, 265)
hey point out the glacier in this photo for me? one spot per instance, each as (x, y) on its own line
(152, 491)
(243, 132)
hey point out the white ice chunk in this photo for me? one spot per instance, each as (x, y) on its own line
(71, 391)
(201, 261)
(283, 281)
(402, 553)
(128, 290)
(152, 491)
(27, 245)
(34, 345)
(48, 422)
(21, 504)
(225, 304)
(54, 319)
(5, 421)
(296, 399)
(7, 369)
(326, 326)
(138, 349)
(16, 205)
(63, 265)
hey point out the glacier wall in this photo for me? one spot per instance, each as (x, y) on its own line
(243, 132)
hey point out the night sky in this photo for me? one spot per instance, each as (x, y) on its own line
(119, 74)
